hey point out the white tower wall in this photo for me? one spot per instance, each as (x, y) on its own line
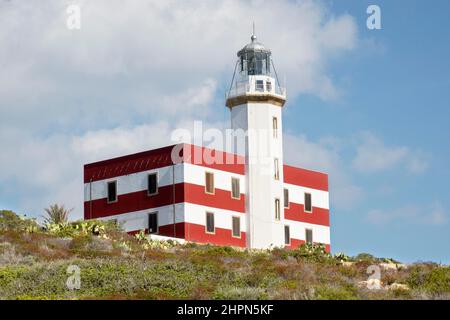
(262, 148)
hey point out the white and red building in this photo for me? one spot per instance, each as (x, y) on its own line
(245, 198)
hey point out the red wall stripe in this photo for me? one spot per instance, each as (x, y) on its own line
(214, 159)
(221, 199)
(167, 230)
(305, 178)
(162, 157)
(134, 201)
(184, 192)
(296, 212)
(128, 164)
(223, 237)
(196, 233)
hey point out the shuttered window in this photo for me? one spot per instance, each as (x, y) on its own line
(308, 202)
(112, 191)
(276, 169)
(286, 198)
(277, 209)
(287, 235)
(235, 188)
(210, 228)
(236, 227)
(309, 235)
(152, 184)
(209, 182)
(275, 127)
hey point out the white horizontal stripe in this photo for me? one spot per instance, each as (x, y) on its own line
(320, 233)
(138, 220)
(319, 198)
(222, 218)
(133, 182)
(222, 179)
(186, 173)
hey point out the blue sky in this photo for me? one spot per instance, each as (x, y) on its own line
(400, 91)
(370, 107)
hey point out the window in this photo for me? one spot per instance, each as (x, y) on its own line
(152, 184)
(210, 223)
(286, 198)
(269, 86)
(276, 169)
(112, 191)
(259, 85)
(235, 188)
(209, 182)
(275, 127)
(277, 209)
(236, 227)
(309, 235)
(308, 202)
(153, 222)
(287, 235)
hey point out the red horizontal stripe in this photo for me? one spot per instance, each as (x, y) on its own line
(196, 233)
(167, 230)
(214, 159)
(184, 192)
(222, 237)
(305, 178)
(134, 201)
(221, 199)
(296, 212)
(162, 157)
(128, 164)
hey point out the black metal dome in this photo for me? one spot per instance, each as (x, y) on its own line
(254, 58)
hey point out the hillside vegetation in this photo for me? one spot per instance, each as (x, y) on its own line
(41, 262)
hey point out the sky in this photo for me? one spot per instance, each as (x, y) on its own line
(369, 107)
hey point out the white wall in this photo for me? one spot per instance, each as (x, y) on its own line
(262, 189)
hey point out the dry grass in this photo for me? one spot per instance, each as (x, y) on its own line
(115, 265)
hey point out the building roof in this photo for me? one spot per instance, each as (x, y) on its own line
(220, 160)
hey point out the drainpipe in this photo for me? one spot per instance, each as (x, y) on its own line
(173, 198)
(90, 198)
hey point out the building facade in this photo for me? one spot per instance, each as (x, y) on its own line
(244, 198)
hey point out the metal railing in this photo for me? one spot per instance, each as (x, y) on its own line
(243, 88)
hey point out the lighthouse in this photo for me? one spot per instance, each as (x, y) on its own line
(254, 201)
(256, 100)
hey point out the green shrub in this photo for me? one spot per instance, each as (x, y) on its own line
(9, 274)
(9, 220)
(311, 252)
(57, 214)
(327, 292)
(434, 280)
(366, 257)
(82, 227)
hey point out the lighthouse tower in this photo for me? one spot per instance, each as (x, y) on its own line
(256, 100)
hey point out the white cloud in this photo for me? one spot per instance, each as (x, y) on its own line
(129, 57)
(373, 155)
(433, 214)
